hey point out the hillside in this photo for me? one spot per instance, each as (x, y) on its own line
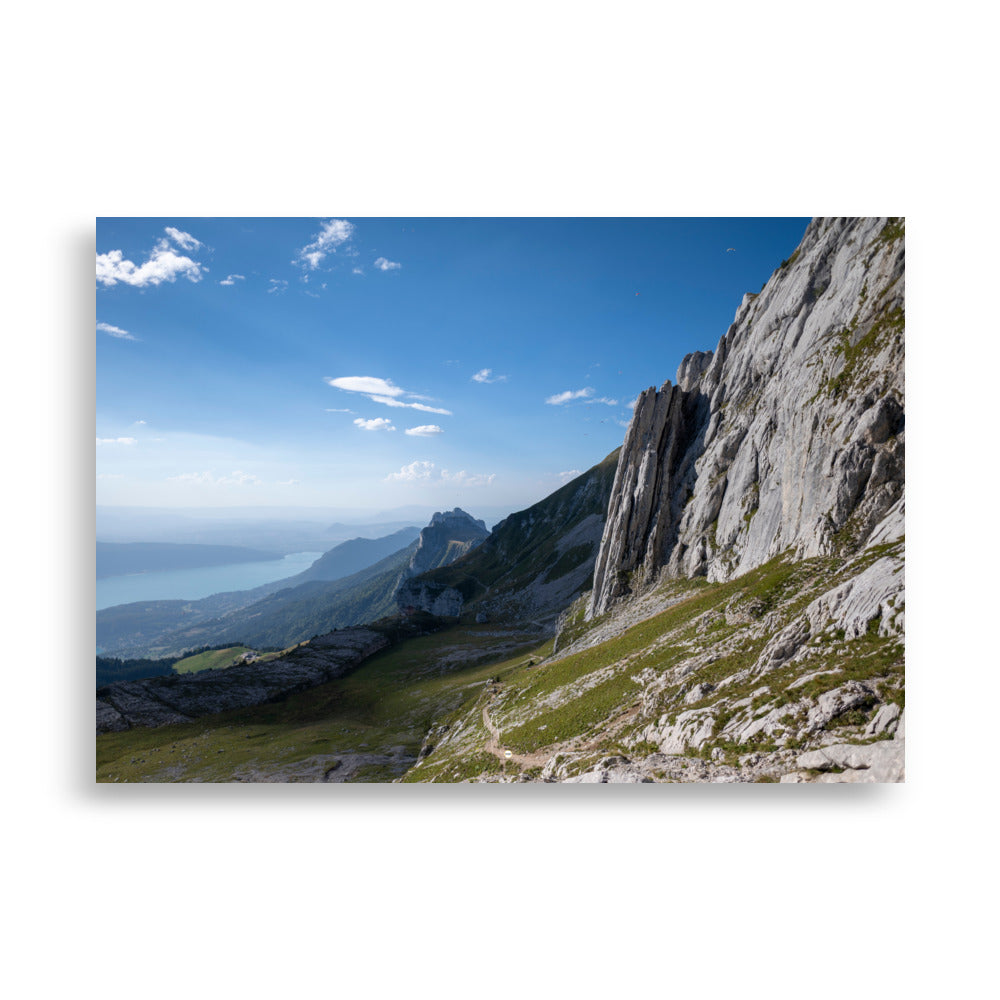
(746, 621)
(533, 563)
(157, 628)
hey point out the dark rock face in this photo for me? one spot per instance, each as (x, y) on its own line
(161, 701)
(789, 437)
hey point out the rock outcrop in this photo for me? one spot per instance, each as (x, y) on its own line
(448, 537)
(532, 565)
(161, 701)
(789, 437)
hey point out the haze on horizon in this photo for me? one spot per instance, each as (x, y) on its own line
(376, 364)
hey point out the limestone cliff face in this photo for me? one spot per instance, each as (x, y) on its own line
(790, 436)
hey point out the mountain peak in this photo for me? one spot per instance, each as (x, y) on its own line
(456, 517)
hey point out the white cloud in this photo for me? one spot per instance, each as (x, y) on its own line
(567, 476)
(163, 265)
(378, 424)
(413, 472)
(631, 403)
(328, 410)
(184, 240)
(381, 390)
(484, 376)
(232, 279)
(603, 399)
(118, 440)
(368, 384)
(331, 235)
(565, 397)
(115, 331)
(277, 285)
(428, 472)
(357, 270)
(410, 406)
(387, 265)
(424, 430)
(140, 423)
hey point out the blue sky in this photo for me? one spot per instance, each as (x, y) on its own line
(374, 363)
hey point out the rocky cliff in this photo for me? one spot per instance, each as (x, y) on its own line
(788, 438)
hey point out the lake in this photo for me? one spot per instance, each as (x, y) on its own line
(190, 584)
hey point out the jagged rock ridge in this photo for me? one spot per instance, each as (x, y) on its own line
(790, 436)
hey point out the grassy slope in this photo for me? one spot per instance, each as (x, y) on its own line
(390, 701)
(587, 702)
(212, 659)
(435, 686)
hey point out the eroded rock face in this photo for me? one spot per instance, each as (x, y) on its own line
(789, 437)
(161, 701)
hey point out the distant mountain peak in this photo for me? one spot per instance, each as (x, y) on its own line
(456, 517)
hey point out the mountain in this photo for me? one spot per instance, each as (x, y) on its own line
(298, 608)
(136, 628)
(118, 558)
(789, 438)
(354, 555)
(533, 563)
(746, 555)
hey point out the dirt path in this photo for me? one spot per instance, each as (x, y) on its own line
(539, 758)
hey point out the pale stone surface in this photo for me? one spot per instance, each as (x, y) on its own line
(790, 436)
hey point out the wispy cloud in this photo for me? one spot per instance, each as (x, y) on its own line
(331, 235)
(377, 424)
(163, 264)
(232, 279)
(424, 431)
(380, 390)
(115, 331)
(184, 240)
(486, 375)
(357, 270)
(464, 479)
(278, 285)
(387, 265)
(428, 472)
(118, 440)
(237, 478)
(603, 399)
(330, 410)
(565, 477)
(565, 397)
